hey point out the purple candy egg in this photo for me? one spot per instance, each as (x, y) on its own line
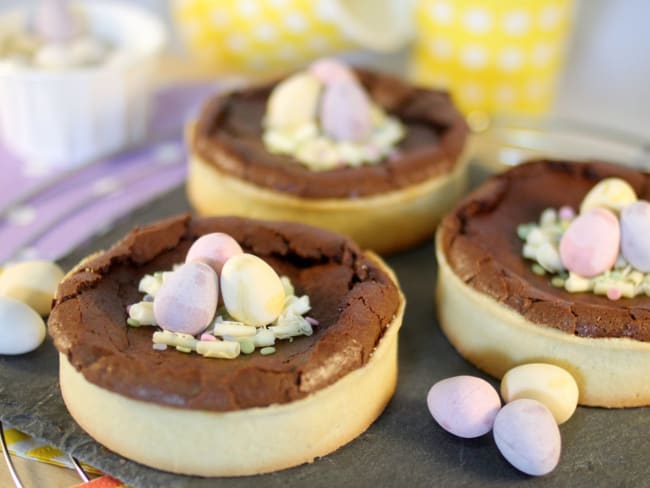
(635, 235)
(345, 111)
(187, 300)
(527, 435)
(464, 405)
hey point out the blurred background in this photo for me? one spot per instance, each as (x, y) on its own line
(551, 78)
(604, 80)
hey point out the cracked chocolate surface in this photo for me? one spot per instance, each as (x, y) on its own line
(479, 239)
(351, 297)
(229, 136)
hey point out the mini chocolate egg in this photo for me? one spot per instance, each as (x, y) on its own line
(213, 249)
(591, 242)
(528, 437)
(611, 193)
(635, 235)
(293, 102)
(252, 291)
(549, 384)
(187, 300)
(345, 112)
(21, 328)
(31, 282)
(330, 70)
(464, 405)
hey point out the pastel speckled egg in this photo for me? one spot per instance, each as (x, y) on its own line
(464, 405)
(635, 235)
(187, 300)
(528, 437)
(549, 384)
(21, 328)
(610, 193)
(329, 70)
(293, 102)
(590, 245)
(252, 291)
(345, 112)
(31, 282)
(213, 249)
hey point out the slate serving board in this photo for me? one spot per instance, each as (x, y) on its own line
(403, 447)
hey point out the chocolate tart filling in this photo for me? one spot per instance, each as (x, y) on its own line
(435, 134)
(351, 297)
(479, 239)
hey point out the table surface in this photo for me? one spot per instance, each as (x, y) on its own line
(600, 447)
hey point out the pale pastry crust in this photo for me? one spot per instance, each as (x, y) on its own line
(244, 442)
(386, 223)
(610, 372)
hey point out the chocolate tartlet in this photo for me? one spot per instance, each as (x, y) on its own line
(232, 172)
(498, 313)
(255, 413)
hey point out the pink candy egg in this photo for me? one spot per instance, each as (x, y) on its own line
(54, 21)
(528, 437)
(635, 235)
(187, 300)
(464, 405)
(213, 249)
(590, 244)
(330, 70)
(345, 111)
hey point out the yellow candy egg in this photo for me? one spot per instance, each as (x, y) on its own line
(32, 282)
(548, 384)
(610, 193)
(252, 291)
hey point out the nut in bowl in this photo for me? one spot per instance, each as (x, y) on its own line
(67, 100)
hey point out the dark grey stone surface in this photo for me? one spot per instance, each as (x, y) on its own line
(403, 447)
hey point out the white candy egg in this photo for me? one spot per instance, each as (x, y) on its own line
(293, 102)
(31, 282)
(252, 291)
(464, 405)
(21, 328)
(549, 384)
(187, 299)
(528, 437)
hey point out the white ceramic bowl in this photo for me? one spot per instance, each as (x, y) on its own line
(61, 119)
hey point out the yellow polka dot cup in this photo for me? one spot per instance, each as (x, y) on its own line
(496, 56)
(269, 36)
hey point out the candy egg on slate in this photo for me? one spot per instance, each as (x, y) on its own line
(549, 384)
(345, 113)
(187, 299)
(591, 242)
(528, 437)
(464, 405)
(635, 235)
(610, 193)
(21, 328)
(213, 249)
(31, 282)
(252, 291)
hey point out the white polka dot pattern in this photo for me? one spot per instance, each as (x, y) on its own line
(494, 55)
(254, 35)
